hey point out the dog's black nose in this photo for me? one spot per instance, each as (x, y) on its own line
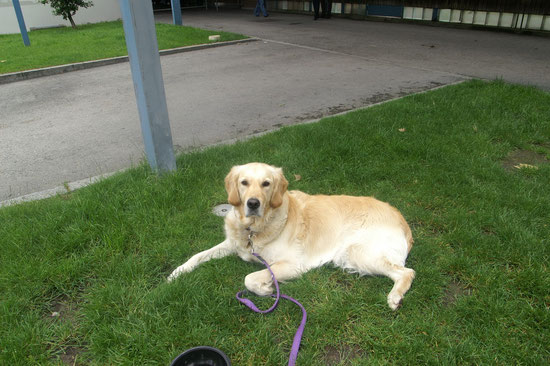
(253, 203)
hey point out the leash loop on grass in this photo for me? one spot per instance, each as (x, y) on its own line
(248, 303)
(299, 332)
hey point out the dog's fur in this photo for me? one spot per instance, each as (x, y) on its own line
(295, 232)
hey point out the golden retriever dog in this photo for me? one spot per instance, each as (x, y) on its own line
(295, 232)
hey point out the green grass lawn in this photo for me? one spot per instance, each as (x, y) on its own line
(99, 256)
(58, 46)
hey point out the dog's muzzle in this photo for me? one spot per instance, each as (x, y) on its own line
(252, 205)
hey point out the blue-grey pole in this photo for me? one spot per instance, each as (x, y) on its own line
(141, 41)
(21, 21)
(176, 12)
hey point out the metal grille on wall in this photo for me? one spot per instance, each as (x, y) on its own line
(167, 4)
(541, 7)
(515, 14)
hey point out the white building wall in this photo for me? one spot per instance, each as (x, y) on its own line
(40, 16)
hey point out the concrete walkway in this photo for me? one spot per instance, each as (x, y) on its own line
(482, 54)
(72, 126)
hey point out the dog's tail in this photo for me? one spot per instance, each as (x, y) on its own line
(407, 230)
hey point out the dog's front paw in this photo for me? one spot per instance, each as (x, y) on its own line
(258, 284)
(184, 268)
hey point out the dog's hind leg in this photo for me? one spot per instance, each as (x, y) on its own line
(381, 253)
(402, 278)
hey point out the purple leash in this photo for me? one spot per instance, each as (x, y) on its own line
(253, 307)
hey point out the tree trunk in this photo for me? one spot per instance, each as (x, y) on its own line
(71, 20)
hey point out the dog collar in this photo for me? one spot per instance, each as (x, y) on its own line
(250, 236)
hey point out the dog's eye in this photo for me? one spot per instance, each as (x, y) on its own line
(244, 182)
(265, 184)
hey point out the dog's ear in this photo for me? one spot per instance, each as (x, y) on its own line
(279, 188)
(231, 187)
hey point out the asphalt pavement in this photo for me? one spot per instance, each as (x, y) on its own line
(73, 126)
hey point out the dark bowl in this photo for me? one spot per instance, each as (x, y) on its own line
(202, 356)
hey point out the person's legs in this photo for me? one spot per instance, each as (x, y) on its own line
(329, 8)
(316, 9)
(263, 7)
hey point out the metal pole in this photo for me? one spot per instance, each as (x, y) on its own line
(21, 21)
(176, 12)
(141, 41)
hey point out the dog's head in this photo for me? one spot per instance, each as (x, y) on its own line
(255, 187)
